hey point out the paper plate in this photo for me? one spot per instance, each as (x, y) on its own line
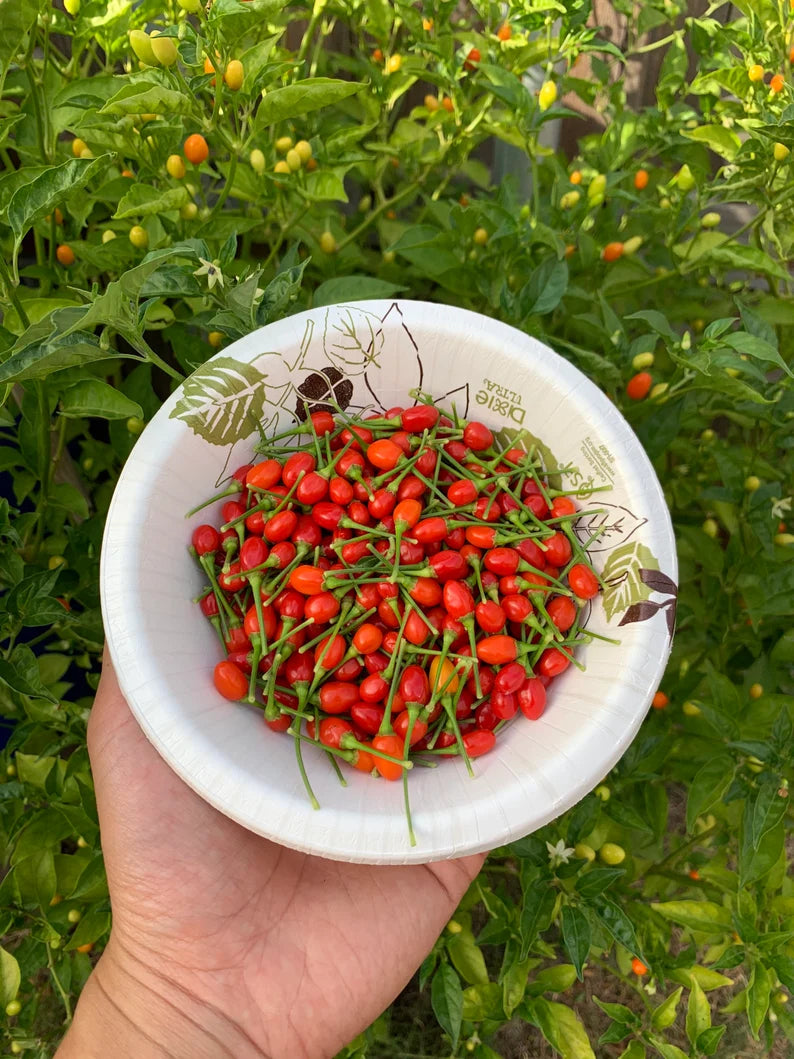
(373, 355)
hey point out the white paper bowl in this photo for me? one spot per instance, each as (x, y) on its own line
(374, 354)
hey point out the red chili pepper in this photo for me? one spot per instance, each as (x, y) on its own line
(411, 488)
(232, 510)
(562, 611)
(392, 745)
(231, 581)
(332, 729)
(328, 515)
(419, 418)
(458, 599)
(367, 716)
(504, 704)
(516, 607)
(462, 492)
(583, 581)
(311, 488)
(307, 580)
(230, 681)
(426, 591)
(429, 530)
(263, 475)
(384, 454)
(414, 685)
(340, 490)
(206, 539)
(416, 629)
(490, 616)
(553, 662)
(532, 698)
(502, 561)
(373, 688)
(337, 697)
(481, 536)
(477, 435)
(350, 463)
(349, 670)
(449, 566)
(401, 724)
(478, 742)
(497, 650)
(562, 506)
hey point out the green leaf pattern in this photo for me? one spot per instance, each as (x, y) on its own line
(223, 401)
(621, 575)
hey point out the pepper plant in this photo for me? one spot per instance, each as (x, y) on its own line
(175, 175)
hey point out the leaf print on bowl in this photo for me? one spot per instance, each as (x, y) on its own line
(323, 391)
(610, 525)
(223, 401)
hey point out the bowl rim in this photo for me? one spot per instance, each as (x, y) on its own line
(122, 625)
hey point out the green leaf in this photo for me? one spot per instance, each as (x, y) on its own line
(291, 101)
(657, 321)
(143, 97)
(576, 936)
(504, 84)
(664, 1014)
(19, 18)
(354, 288)
(619, 1012)
(562, 1029)
(623, 813)
(536, 911)
(618, 924)
(44, 192)
(10, 977)
(757, 997)
(483, 1002)
(30, 601)
(750, 258)
(282, 289)
(545, 288)
(514, 984)
(91, 884)
(40, 359)
(446, 998)
(621, 575)
(47, 829)
(223, 401)
(635, 1050)
(709, 1040)
(758, 348)
(92, 397)
(326, 185)
(733, 78)
(754, 863)
(696, 915)
(467, 958)
(142, 201)
(710, 783)
(35, 876)
(717, 138)
(667, 1051)
(17, 673)
(698, 1013)
(93, 926)
(554, 979)
(704, 976)
(768, 809)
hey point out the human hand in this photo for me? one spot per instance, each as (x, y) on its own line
(226, 944)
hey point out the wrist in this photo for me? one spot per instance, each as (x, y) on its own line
(131, 1012)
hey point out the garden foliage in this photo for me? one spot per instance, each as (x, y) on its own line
(124, 266)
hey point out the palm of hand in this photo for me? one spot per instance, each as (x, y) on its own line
(301, 953)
